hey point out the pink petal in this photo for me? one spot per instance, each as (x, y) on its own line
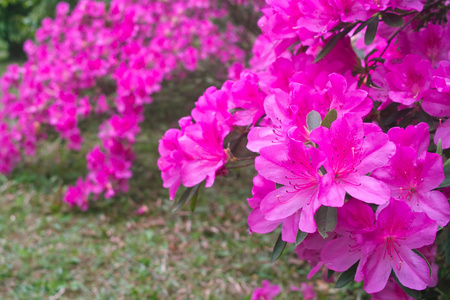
(414, 272)
(366, 188)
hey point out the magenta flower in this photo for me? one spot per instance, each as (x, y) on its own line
(308, 291)
(413, 178)
(409, 79)
(391, 291)
(310, 250)
(247, 96)
(256, 219)
(389, 248)
(172, 157)
(353, 149)
(266, 292)
(354, 218)
(429, 42)
(202, 143)
(77, 195)
(297, 169)
(382, 243)
(417, 137)
(213, 102)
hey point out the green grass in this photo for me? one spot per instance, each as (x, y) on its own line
(49, 251)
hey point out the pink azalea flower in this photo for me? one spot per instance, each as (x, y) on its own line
(172, 157)
(306, 289)
(412, 176)
(203, 145)
(389, 248)
(353, 149)
(297, 169)
(408, 80)
(354, 218)
(382, 243)
(310, 250)
(266, 292)
(256, 219)
(215, 103)
(391, 291)
(432, 45)
(142, 210)
(77, 195)
(247, 96)
(416, 137)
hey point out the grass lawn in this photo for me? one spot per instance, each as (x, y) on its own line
(49, 251)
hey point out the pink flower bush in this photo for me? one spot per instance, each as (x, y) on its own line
(344, 106)
(351, 145)
(106, 59)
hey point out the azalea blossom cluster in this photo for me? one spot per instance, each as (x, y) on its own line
(270, 291)
(345, 108)
(105, 59)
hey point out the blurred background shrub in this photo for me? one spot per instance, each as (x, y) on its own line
(19, 20)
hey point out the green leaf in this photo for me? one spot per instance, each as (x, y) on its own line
(413, 293)
(330, 273)
(439, 147)
(392, 20)
(278, 249)
(313, 120)
(378, 59)
(195, 197)
(369, 54)
(329, 118)
(360, 27)
(186, 196)
(300, 237)
(428, 263)
(371, 32)
(331, 43)
(326, 220)
(361, 81)
(347, 276)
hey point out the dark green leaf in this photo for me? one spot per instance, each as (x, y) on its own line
(326, 220)
(186, 196)
(330, 273)
(347, 276)
(428, 263)
(300, 237)
(278, 249)
(392, 20)
(413, 293)
(369, 54)
(361, 81)
(360, 27)
(313, 120)
(331, 43)
(194, 198)
(378, 59)
(329, 118)
(371, 32)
